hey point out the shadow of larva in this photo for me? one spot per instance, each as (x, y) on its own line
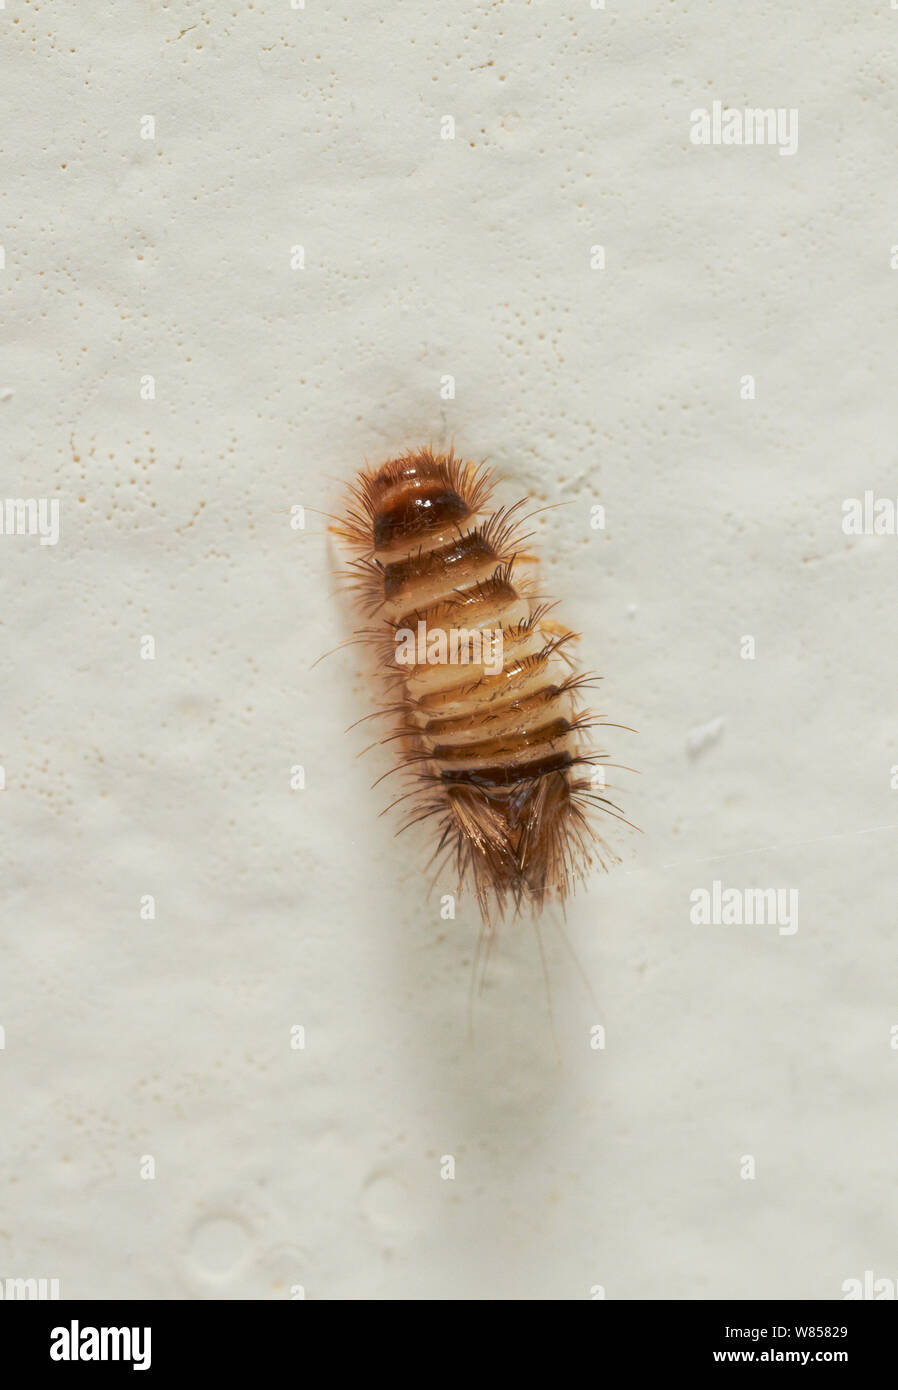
(481, 684)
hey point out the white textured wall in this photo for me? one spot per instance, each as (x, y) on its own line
(170, 257)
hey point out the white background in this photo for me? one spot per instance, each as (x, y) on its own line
(170, 257)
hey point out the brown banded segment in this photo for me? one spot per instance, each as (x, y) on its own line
(417, 510)
(423, 466)
(406, 470)
(484, 713)
(502, 746)
(493, 692)
(434, 563)
(491, 777)
(460, 608)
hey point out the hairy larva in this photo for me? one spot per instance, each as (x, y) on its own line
(482, 690)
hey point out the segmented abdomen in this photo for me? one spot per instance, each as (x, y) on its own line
(490, 732)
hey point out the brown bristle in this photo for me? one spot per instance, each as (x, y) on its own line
(491, 743)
